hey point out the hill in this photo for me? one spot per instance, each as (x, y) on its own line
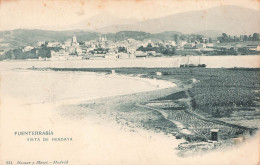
(25, 37)
(234, 20)
(140, 35)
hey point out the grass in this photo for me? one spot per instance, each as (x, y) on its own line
(174, 96)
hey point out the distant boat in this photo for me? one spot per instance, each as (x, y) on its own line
(192, 65)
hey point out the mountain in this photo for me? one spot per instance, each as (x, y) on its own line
(98, 21)
(25, 37)
(234, 20)
(101, 20)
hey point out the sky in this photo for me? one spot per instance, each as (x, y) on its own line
(36, 13)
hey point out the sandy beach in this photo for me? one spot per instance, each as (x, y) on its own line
(129, 82)
(94, 136)
(107, 130)
(99, 140)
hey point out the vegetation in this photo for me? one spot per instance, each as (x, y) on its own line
(218, 92)
(174, 96)
(210, 102)
(168, 50)
(99, 51)
(223, 92)
(35, 53)
(224, 38)
(122, 49)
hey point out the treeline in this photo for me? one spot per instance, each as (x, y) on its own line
(168, 50)
(192, 38)
(231, 51)
(35, 53)
(224, 38)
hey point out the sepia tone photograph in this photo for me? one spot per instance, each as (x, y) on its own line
(129, 82)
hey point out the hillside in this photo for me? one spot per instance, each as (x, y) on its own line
(233, 20)
(139, 35)
(25, 37)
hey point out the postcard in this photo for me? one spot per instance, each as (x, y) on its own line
(129, 82)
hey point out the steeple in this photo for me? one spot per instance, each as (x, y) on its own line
(74, 39)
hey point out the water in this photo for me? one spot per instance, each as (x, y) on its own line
(42, 87)
(250, 61)
(34, 87)
(28, 103)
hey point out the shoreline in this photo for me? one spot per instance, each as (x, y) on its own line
(166, 124)
(103, 128)
(82, 91)
(228, 61)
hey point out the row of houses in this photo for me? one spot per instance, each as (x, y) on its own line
(128, 48)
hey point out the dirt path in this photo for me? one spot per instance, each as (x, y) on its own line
(179, 125)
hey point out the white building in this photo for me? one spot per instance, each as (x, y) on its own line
(27, 48)
(123, 55)
(102, 39)
(258, 48)
(61, 52)
(182, 43)
(171, 43)
(40, 43)
(53, 44)
(74, 39)
(60, 55)
(210, 45)
(72, 46)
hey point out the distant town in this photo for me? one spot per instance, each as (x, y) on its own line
(127, 48)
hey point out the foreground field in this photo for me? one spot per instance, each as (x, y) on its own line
(225, 99)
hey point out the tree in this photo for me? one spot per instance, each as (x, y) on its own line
(8, 54)
(188, 38)
(199, 38)
(176, 38)
(17, 53)
(235, 39)
(224, 38)
(256, 37)
(210, 40)
(122, 49)
(149, 45)
(229, 38)
(183, 37)
(245, 38)
(44, 52)
(250, 38)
